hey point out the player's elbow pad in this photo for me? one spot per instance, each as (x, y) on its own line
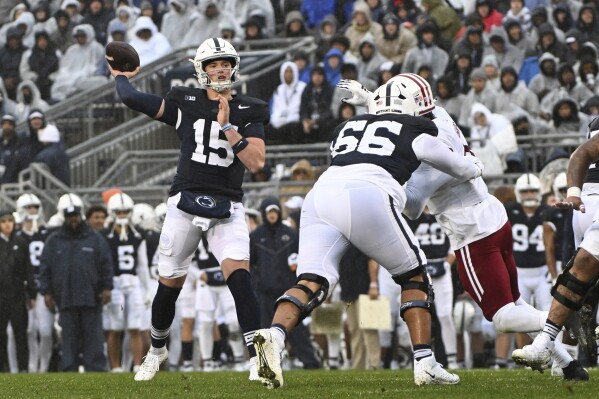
(148, 104)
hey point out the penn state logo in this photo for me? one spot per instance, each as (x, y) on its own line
(205, 201)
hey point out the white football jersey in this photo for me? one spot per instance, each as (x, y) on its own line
(465, 209)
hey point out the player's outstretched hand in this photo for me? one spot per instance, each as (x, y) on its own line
(223, 110)
(571, 202)
(129, 75)
(360, 94)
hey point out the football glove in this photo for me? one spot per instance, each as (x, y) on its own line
(360, 94)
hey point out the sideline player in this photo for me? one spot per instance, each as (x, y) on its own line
(373, 155)
(478, 230)
(41, 320)
(130, 282)
(221, 135)
(580, 274)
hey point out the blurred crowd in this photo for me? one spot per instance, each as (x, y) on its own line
(505, 70)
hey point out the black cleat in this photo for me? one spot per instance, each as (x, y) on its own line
(575, 372)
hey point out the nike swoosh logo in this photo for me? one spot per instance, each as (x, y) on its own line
(243, 106)
(431, 375)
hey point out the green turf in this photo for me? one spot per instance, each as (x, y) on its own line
(519, 384)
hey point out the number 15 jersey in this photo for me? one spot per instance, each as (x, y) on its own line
(207, 164)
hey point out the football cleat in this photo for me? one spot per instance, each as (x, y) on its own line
(575, 372)
(536, 357)
(187, 366)
(428, 372)
(269, 359)
(151, 364)
(212, 365)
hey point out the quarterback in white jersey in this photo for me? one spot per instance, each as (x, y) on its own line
(477, 226)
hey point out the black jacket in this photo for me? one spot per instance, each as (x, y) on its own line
(270, 248)
(75, 267)
(16, 269)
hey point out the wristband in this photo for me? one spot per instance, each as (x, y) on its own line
(226, 127)
(573, 192)
(374, 285)
(240, 145)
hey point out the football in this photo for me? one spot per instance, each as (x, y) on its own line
(122, 56)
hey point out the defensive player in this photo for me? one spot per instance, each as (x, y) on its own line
(477, 226)
(41, 320)
(580, 275)
(373, 155)
(130, 281)
(221, 135)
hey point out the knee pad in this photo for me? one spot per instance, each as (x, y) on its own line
(315, 299)
(426, 286)
(572, 284)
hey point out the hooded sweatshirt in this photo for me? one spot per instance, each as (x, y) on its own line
(286, 100)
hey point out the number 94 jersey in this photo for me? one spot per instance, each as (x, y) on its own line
(382, 140)
(527, 233)
(207, 164)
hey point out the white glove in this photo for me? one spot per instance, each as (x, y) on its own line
(480, 167)
(360, 94)
(148, 299)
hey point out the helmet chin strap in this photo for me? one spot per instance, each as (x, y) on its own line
(123, 223)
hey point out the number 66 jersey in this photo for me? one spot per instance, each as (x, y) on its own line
(207, 164)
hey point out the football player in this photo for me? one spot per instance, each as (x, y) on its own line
(131, 280)
(213, 298)
(526, 217)
(580, 274)
(477, 226)
(435, 245)
(373, 155)
(41, 319)
(221, 135)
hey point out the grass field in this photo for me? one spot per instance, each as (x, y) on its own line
(520, 384)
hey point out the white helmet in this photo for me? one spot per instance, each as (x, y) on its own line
(559, 183)
(120, 202)
(144, 216)
(419, 89)
(391, 99)
(214, 49)
(463, 315)
(160, 211)
(25, 201)
(528, 182)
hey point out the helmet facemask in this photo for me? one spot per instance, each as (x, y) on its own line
(212, 50)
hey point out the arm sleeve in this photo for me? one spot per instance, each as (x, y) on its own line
(434, 152)
(423, 183)
(146, 103)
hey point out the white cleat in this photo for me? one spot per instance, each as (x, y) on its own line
(253, 363)
(556, 371)
(428, 372)
(536, 357)
(151, 364)
(269, 359)
(211, 366)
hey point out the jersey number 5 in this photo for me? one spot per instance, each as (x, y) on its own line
(370, 143)
(218, 151)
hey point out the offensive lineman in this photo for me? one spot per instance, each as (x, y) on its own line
(477, 226)
(373, 155)
(221, 135)
(130, 282)
(41, 320)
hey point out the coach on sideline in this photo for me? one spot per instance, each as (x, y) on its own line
(76, 279)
